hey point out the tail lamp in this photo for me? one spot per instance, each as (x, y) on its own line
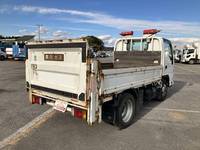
(79, 113)
(36, 100)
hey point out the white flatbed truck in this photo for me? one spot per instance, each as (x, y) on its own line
(64, 74)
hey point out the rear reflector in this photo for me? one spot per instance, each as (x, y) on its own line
(36, 100)
(79, 113)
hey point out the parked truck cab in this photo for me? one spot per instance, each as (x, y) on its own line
(64, 75)
(191, 54)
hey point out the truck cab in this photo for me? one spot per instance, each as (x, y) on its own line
(19, 51)
(191, 54)
(149, 43)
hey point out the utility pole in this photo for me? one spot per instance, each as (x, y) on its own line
(39, 30)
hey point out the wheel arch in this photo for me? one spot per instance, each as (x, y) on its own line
(165, 79)
(132, 91)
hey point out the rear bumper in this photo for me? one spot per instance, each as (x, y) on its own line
(58, 92)
(59, 103)
(52, 96)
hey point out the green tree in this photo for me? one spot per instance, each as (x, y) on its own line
(96, 43)
(1, 37)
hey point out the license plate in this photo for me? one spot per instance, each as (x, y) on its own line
(60, 106)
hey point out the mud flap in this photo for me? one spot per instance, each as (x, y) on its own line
(109, 112)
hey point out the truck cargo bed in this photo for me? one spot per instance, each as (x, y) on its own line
(115, 80)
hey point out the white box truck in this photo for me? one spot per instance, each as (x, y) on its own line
(65, 75)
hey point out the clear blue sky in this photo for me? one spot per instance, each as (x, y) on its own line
(104, 18)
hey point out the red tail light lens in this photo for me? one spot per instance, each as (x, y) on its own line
(79, 113)
(36, 100)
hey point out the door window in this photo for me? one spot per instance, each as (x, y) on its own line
(168, 49)
(190, 51)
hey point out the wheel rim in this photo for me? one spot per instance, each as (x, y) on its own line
(127, 110)
(191, 61)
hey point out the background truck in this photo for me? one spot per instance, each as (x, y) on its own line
(65, 75)
(15, 46)
(19, 51)
(191, 54)
(3, 55)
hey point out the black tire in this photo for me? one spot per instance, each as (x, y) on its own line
(162, 92)
(191, 62)
(126, 111)
(2, 57)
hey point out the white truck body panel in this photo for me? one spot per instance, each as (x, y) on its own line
(117, 80)
(60, 80)
(68, 75)
(198, 53)
(9, 51)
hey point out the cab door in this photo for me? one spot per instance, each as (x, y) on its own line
(168, 68)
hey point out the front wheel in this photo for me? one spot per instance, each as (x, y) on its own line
(162, 92)
(126, 110)
(2, 57)
(191, 61)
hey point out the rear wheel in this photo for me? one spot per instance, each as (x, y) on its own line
(126, 110)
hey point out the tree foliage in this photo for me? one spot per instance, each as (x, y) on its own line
(95, 43)
(8, 37)
(1, 36)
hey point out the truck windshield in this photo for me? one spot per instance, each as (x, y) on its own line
(135, 45)
(190, 51)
